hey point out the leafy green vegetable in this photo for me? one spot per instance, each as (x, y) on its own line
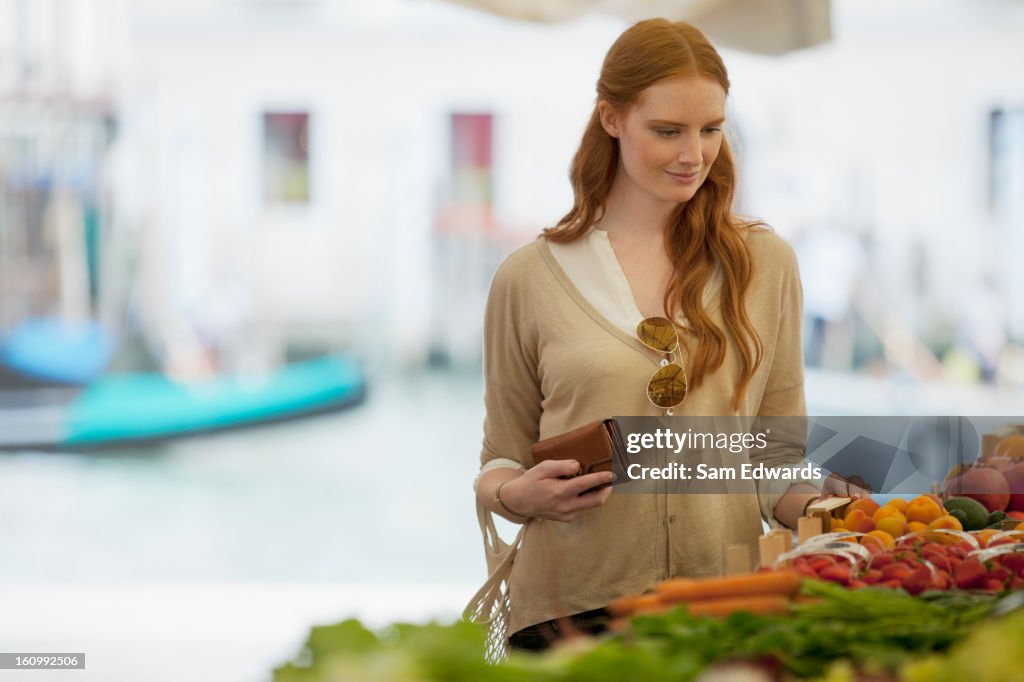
(872, 629)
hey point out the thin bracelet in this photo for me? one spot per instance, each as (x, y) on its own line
(497, 497)
(816, 498)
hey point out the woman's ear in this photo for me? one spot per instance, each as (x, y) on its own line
(610, 119)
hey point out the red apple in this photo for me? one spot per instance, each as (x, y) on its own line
(1015, 479)
(983, 483)
(1001, 463)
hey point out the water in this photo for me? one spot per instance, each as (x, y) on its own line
(210, 558)
(382, 491)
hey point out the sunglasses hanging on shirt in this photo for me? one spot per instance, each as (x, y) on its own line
(667, 388)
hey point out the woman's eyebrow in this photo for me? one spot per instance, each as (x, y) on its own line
(716, 122)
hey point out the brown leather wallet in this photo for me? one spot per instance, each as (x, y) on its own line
(595, 446)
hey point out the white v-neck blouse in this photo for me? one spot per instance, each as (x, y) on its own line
(592, 266)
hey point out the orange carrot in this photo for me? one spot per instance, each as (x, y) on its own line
(767, 582)
(676, 583)
(627, 606)
(765, 604)
(621, 607)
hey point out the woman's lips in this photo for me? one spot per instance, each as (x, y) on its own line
(683, 179)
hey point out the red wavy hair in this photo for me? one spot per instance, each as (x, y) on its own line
(700, 233)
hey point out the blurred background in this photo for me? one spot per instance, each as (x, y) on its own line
(245, 247)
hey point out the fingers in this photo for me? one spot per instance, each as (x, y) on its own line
(855, 486)
(582, 484)
(834, 485)
(858, 487)
(556, 468)
(560, 494)
(580, 494)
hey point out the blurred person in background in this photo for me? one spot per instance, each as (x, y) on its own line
(651, 234)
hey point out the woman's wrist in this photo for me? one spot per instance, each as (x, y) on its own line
(794, 503)
(812, 500)
(504, 504)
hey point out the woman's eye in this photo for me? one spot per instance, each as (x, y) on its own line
(712, 130)
(667, 132)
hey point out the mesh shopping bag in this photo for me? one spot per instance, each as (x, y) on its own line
(490, 605)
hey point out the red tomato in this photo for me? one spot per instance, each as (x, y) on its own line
(918, 581)
(896, 571)
(872, 577)
(837, 574)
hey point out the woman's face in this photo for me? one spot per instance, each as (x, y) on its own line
(670, 137)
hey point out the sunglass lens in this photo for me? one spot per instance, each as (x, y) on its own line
(658, 333)
(668, 386)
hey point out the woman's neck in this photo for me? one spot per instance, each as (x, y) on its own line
(633, 214)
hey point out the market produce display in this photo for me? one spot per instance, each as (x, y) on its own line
(915, 565)
(917, 546)
(923, 513)
(874, 633)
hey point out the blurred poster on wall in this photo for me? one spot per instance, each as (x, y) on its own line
(286, 158)
(471, 180)
(471, 157)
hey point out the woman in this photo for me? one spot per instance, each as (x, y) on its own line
(651, 233)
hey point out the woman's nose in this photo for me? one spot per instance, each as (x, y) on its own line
(690, 154)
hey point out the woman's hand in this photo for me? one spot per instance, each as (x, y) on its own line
(794, 503)
(838, 486)
(542, 493)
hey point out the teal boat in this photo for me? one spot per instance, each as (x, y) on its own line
(123, 409)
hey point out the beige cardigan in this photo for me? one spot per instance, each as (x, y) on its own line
(553, 363)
